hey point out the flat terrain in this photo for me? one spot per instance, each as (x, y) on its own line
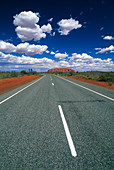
(108, 85)
(10, 83)
(33, 134)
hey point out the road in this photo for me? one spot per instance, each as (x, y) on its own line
(35, 136)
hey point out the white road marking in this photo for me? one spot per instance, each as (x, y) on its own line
(69, 138)
(20, 90)
(87, 89)
(52, 84)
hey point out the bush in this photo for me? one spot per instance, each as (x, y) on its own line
(110, 84)
(34, 73)
(90, 78)
(71, 73)
(23, 72)
(102, 77)
(106, 77)
(14, 74)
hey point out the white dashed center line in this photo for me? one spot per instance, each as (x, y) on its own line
(52, 84)
(69, 138)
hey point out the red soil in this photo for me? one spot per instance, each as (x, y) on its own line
(10, 83)
(98, 83)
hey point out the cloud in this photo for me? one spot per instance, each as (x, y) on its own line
(47, 51)
(26, 19)
(61, 56)
(20, 60)
(53, 53)
(7, 47)
(102, 28)
(82, 56)
(64, 64)
(67, 25)
(80, 62)
(85, 62)
(22, 48)
(108, 38)
(50, 20)
(53, 34)
(46, 28)
(27, 28)
(31, 49)
(27, 34)
(103, 50)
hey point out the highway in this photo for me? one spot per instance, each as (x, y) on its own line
(55, 123)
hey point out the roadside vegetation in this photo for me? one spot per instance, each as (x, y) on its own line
(89, 75)
(9, 74)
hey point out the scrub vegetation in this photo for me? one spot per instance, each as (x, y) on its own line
(89, 75)
(9, 74)
(104, 79)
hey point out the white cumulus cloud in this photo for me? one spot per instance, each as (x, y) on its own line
(80, 62)
(29, 49)
(27, 34)
(46, 28)
(47, 51)
(82, 56)
(7, 47)
(85, 62)
(27, 28)
(103, 50)
(61, 56)
(67, 25)
(20, 60)
(26, 19)
(108, 37)
(53, 53)
(64, 64)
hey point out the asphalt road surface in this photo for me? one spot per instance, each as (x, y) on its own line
(55, 123)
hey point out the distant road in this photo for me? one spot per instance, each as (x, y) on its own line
(55, 123)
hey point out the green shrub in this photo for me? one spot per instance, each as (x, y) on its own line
(106, 77)
(23, 72)
(71, 73)
(34, 73)
(14, 74)
(90, 78)
(110, 84)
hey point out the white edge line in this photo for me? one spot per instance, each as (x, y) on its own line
(20, 90)
(69, 138)
(87, 89)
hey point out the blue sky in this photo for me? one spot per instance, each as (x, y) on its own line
(46, 34)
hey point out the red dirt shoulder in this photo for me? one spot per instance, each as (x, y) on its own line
(10, 83)
(98, 83)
